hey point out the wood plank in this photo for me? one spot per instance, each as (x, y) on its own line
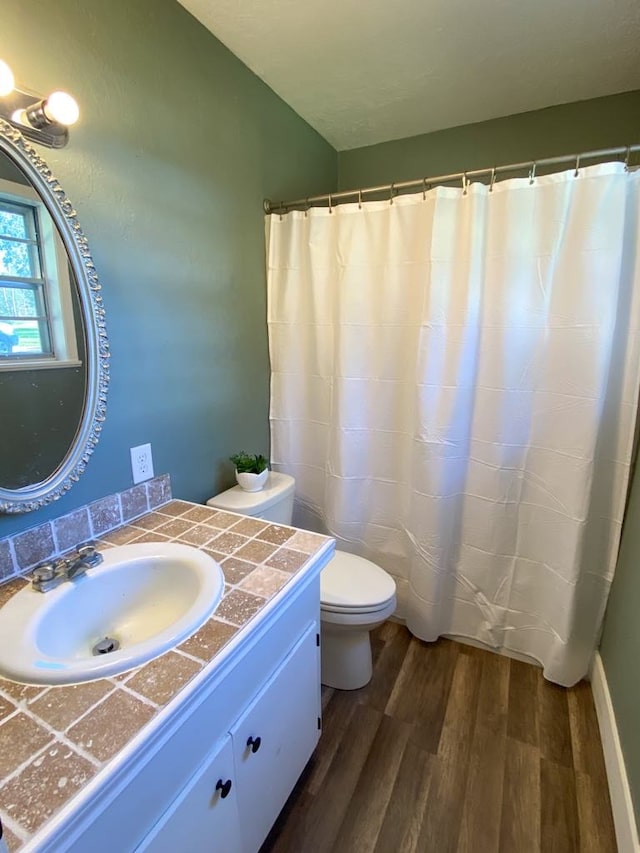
(461, 709)
(554, 729)
(558, 808)
(480, 826)
(400, 830)
(325, 696)
(585, 733)
(520, 819)
(288, 832)
(493, 696)
(421, 691)
(388, 630)
(335, 720)
(523, 704)
(441, 826)
(597, 832)
(386, 669)
(363, 819)
(324, 814)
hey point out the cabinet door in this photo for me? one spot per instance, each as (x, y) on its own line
(204, 816)
(274, 739)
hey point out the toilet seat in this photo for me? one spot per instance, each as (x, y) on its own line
(351, 584)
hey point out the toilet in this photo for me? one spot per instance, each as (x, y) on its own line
(355, 594)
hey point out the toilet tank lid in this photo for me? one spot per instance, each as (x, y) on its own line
(277, 488)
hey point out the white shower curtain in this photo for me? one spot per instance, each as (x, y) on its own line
(454, 387)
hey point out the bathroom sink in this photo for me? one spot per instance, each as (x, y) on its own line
(142, 600)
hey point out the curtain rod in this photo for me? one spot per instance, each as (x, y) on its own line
(425, 183)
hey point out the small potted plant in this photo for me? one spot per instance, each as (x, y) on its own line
(251, 471)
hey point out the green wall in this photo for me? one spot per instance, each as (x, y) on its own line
(567, 129)
(177, 146)
(571, 128)
(620, 646)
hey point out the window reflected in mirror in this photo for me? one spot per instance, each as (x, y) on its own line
(36, 313)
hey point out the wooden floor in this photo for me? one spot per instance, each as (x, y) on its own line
(450, 749)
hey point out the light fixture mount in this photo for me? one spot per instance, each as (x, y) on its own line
(18, 104)
(41, 120)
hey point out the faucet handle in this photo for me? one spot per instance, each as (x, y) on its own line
(44, 572)
(87, 549)
(88, 554)
(46, 576)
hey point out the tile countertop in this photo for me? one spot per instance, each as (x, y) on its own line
(53, 740)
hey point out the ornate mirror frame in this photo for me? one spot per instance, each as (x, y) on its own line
(31, 497)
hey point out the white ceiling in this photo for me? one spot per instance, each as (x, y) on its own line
(367, 71)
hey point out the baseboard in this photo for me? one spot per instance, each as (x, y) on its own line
(621, 802)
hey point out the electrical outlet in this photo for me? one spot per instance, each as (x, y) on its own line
(141, 463)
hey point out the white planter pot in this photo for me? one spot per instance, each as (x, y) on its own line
(252, 482)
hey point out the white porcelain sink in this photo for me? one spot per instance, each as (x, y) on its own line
(147, 597)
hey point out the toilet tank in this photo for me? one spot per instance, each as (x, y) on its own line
(274, 502)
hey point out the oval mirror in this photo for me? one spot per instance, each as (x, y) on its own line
(53, 343)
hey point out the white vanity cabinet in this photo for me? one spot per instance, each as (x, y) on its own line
(244, 728)
(253, 770)
(273, 739)
(205, 813)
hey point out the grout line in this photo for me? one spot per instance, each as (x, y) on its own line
(59, 735)
(75, 747)
(10, 716)
(56, 544)
(189, 656)
(144, 699)
(24, 764)
(63, 737)
(119, 501)
(92, 533)
(62, 732)
(14, 558)
(19, 702)
(14, 827)
(125, 675)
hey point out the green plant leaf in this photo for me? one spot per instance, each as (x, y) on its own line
(247, 464)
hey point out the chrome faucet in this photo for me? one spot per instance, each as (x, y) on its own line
(49, 575)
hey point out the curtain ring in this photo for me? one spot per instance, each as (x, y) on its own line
(330, 204)
(281, 209)
(306, 210)
(359, 199)
(464, 183)
(532, 172)
(626, 158)
(575, 174)
(391, 194)
(424, 189)
(493, 179)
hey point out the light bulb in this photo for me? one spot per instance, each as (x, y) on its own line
(7, 82)
(61, 108)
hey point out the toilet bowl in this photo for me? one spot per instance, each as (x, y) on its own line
(356, 595)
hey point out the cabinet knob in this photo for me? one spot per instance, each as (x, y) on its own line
(254, 743)
(223, 787)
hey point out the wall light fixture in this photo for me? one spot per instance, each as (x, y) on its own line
(7, 83)
(42, 120)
